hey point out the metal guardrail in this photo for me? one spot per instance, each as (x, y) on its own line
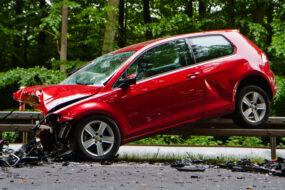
(274, 127)
(21, 115)
(19, 121)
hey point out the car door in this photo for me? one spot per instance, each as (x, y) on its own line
(216, 57)
(169, 89)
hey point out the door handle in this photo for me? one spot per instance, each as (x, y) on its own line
(193, 75)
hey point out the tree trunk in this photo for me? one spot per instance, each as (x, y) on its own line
(126, 17)
(26, 44)
(17, 58)
(269, 16)
(231, 14)
(259, 11)
(63, 46)
(42, 35)
(110, 30)
(147, 19)
(122, 28)
(189, 8)
(202, 8)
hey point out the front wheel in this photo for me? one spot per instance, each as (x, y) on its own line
(96, 138)
(252, 107)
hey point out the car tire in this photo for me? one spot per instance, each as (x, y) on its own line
(96, 138)
(252, 107)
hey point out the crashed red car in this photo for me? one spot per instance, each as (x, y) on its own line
(152, 86)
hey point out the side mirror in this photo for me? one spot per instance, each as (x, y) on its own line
(127, 82)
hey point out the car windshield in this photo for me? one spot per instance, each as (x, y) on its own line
(99, 70)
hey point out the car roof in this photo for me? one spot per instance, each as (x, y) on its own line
(139, 46)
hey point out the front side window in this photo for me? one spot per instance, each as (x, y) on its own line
(160, 59)
(210, 47)
(98, 71)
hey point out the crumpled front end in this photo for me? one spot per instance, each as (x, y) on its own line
(31, 97)
(48, 99)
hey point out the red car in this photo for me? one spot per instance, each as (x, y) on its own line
(152, 86)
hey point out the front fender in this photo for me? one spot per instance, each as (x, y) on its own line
(83, 109)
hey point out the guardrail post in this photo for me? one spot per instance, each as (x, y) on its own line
(25, 137)
(22, 107)
(273, 147)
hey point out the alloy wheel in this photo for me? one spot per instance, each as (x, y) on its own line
(253, 106)
(97, 138)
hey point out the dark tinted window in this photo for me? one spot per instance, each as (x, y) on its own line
(210, 47)
(160, 59)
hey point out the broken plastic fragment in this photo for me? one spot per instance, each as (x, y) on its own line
(191, 169)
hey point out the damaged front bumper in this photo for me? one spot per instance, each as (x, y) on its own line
(54, 136)
(52, 143)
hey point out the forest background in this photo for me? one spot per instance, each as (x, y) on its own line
(43, 40)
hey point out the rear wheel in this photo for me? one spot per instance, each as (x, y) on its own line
(96, 138)
(252, 107)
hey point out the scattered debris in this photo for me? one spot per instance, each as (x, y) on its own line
(191, 169)
(228, 164)
(34, 154)
(184, 162)
(31, 153)
(106, 163)
(7, 155)
(65, 163)
(274, 167)
(197, 161)
(151, 161)
(177, 164)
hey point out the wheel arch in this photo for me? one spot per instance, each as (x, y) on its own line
(95, 113)
(77, 142)
(254, 79)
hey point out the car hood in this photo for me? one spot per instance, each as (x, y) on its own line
(48, 97)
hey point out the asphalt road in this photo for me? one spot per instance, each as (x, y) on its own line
(130, 176)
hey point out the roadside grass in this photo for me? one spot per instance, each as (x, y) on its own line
(152, 158)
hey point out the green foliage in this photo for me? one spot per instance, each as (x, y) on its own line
(244, 141)
(30, 30)
(277, 48)
(203, 140)
(208, 141)
(53, 19)
(161, 139)
(10, 136)
(30, 77)
(278, 44)
(171, 26)
(278, 105)
(258, 34)
(181, 140)
(282, 143)
(12, 80)
(69, 65)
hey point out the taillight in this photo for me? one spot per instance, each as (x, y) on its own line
(264, 58)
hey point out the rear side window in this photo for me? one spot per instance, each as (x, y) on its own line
(210, 47)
